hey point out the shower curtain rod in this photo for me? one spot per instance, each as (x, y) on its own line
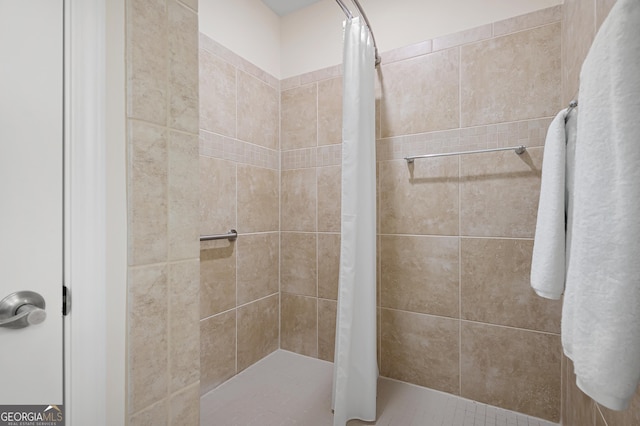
(347, 12)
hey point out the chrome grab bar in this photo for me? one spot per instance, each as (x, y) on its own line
(232, 235)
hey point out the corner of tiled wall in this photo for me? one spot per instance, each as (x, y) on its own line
(311, 126)
(581, 20)
(163, 279)
(239, 189)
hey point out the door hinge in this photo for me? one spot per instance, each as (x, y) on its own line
(66, 300)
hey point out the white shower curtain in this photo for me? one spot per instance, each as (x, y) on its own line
(355, 372)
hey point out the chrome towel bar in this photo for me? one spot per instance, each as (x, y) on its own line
(232, 235)
(518, 150)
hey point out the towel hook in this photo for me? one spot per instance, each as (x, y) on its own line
(572, 105)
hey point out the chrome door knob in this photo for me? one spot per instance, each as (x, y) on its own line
(22, 309)
(34, 315)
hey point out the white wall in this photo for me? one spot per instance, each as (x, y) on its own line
(246, 27)
(312, 37)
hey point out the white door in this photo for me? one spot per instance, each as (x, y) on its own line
(31, 201)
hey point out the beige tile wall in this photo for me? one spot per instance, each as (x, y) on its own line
(494, 73)
(456, 310)
(163, 277)
(239, 189)
(581, 20)
(311, 125)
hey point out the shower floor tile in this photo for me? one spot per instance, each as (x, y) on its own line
(290, 389)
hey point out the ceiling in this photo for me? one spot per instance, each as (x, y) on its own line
(284, 7)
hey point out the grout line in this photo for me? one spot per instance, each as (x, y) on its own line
(238, 307)
(562, 59)
(167, 263)
(317, 270)
(459, 279)
(301, 232)
(460, 87)
(563, 383)
(595, 20)
(186, 6)
(237, 81)
(469, 321)
(599, 412)
(162, 126)
(329, 233)
(472, 237)
(236, 246)
(183, 388)
(461, 128)
(299, 295)
(510, 327)
(279, 218)
(535, 27)
(317, 119)
(167, 130)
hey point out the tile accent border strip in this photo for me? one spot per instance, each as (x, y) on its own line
(305, 158)
(528, 132)
(226, 148)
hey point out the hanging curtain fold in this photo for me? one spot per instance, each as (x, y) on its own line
(356, 369)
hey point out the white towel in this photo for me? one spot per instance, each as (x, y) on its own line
(548, 265)
(601, 314)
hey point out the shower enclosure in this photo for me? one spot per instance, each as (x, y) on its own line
(453, 308)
